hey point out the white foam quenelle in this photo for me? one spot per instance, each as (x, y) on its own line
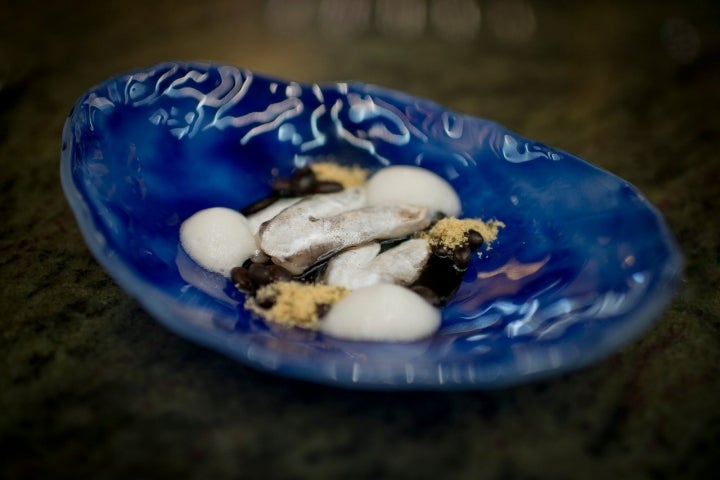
(382, 313)
(407, 184)
(218, 239)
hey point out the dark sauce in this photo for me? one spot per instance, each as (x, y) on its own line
(392, 242)
(314, 273)
(442, 276)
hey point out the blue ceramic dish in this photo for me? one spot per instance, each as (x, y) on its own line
(584, 265)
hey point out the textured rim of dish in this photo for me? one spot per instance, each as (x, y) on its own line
(430, 376)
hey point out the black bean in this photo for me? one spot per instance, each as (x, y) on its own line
(326, 186)
(282, 187)
(241, 279)
(441, 251)
(461, 256)
(265, 302)
(428, 294)
(278, 273)
(322, 309)
(303, 181)
(302, 171)
(260, 274)
(259, 205)
(475, 239)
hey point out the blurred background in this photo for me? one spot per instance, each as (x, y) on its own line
(425, 46)
(92, 387)
(539, 67)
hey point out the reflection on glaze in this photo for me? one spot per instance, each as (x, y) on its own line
(512, 152)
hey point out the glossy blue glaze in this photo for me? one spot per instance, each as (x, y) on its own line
(584, 265)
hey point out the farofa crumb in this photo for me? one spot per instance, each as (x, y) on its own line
(451, 232)
(347, 176)
(295, 303)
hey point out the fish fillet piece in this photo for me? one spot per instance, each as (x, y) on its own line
(257, 219)
(321, 225)
(364, 265)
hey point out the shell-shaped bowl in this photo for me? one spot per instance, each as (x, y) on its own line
(584, 264)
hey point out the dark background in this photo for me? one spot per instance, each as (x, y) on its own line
(92, 387)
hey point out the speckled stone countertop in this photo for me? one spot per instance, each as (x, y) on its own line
(92, 387)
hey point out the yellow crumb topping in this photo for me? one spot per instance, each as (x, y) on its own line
(295, 304)
(451, 232)
(347, 176)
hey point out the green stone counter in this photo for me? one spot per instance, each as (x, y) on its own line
(92, 387)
